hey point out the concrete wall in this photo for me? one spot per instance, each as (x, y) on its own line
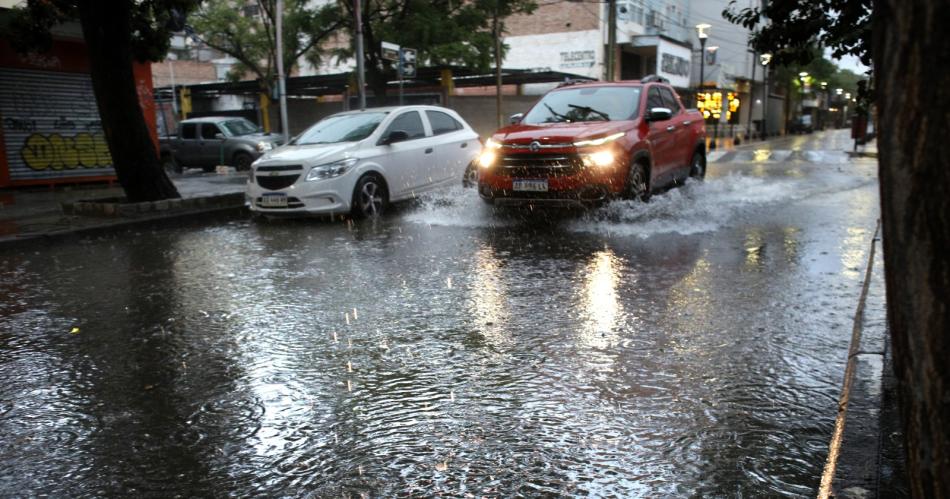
(478, 111)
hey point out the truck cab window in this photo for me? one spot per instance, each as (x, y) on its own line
(189, 131)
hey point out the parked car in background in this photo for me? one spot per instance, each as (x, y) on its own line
(586, 143)
(360, 161)
(215, 140)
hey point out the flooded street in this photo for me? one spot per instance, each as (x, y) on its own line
(694, 345)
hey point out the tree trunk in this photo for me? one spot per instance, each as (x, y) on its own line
(911, 57)
(107, 31)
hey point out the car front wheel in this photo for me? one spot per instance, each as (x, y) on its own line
(369, 197)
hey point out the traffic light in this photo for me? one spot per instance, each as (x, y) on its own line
(407, 63)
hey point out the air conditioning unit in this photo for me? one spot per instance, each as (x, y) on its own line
(654, 20)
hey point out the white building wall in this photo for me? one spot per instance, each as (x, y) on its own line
(733, 59)
(576, 52)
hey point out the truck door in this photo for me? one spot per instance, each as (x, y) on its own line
(186, 150)
(681, 151)
(210, 153)
(661, 138)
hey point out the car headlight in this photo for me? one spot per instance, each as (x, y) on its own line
(330, 170)
(491, 144)
(264, 146)
(599, 158)
(598, 142)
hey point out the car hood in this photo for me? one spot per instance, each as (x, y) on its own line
(310, 155)
(560, 133)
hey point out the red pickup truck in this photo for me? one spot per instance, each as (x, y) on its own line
(589, 142)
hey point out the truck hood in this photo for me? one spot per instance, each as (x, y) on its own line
(309, 155)
(259, 137)
(560, 133)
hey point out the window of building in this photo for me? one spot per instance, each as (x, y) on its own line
(442, 122)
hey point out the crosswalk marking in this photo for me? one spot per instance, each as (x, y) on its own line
(779, 156)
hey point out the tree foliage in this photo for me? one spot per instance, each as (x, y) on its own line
(247, 32)
(152, 22)
(791, 30)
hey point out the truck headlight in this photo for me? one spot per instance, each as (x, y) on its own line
(330, 170)
(599, 158)
(264, 146)
(487, 158)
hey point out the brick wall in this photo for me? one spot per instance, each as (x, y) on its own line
(556, 18)
(186, 73)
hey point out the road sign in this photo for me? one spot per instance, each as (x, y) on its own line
(407, 63)
(390, 51)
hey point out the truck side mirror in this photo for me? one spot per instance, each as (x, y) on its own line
(659, 114)
(219, 136)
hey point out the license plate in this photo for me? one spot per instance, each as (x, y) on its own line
(530, 185)
(274, 201)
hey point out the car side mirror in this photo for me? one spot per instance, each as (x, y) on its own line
(219, 136)
(659, 114)
(516, 118)
(395, 136)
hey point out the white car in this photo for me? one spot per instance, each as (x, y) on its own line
(360, 161)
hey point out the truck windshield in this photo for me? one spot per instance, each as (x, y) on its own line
(340, 128)
(239, 127)
(585, 104)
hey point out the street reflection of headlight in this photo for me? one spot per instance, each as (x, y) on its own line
(487, 158)
(599, 158)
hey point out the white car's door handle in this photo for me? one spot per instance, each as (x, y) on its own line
(429, 150)
(464, 145)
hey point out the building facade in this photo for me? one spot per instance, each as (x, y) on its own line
(652, 37)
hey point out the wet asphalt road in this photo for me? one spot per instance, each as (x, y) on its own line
(694, 345)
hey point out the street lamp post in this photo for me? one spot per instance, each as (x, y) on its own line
(702, 35)
(765, 59)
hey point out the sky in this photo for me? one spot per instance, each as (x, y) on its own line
(848, 62)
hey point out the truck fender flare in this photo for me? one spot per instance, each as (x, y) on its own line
(644, 156)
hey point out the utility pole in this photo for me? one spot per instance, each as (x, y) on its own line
(281, 84)
(360, 75)
(611, 39)
(748, 130)
(496, 30)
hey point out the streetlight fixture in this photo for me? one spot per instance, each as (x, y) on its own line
(839, 91)
(765, 59)
(702, 35)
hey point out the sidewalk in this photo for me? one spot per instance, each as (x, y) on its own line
(28, 214)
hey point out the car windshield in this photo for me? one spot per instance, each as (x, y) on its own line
(340, 128)
(586, 104)
(239, 127)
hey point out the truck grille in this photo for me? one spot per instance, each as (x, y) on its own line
(542, 165)
(276, 182)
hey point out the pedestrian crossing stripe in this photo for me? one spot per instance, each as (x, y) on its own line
(779, 156)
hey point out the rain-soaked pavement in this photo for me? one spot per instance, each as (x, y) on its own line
(693, 345)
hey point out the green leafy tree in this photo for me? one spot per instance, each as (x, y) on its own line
(497, 11)
(903, 41)
(247, 32)
(116, 33)
(443, 32)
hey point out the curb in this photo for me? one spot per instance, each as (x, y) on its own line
(103, 218)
